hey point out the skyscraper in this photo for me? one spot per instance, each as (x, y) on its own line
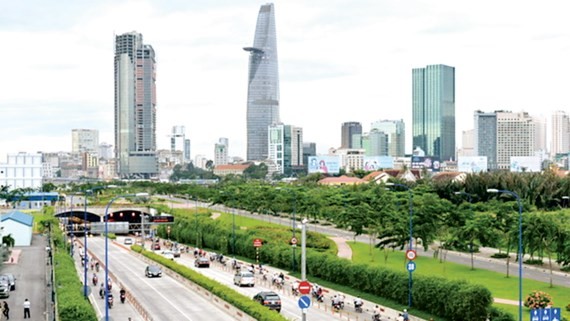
(221, 151)
(350, 130)
(285, 147)
(485, 137)
(178, 142)
(263, 84)
(85, 141)
(135, 107)
(433, 110)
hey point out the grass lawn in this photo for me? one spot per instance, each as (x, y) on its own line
(497, 283)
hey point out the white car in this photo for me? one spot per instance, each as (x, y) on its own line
(244, 278)
(168, 254)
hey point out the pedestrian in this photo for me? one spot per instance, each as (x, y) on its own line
(6, 310)
(405, 315)
(27, 306)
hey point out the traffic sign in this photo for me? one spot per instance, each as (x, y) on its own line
(304, 287)
(293, 240)
(257, 242)
(304, 302)
(548, 314)
(411, 266)
(411, 255)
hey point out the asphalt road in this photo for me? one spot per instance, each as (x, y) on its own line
(31, 283)
(164, 298)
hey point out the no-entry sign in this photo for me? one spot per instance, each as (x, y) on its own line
(304, 287)
(257, 242)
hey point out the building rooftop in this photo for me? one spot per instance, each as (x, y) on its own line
(19, 217)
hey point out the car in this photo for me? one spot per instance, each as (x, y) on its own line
(11, 281)
(176, 252)
(152, 271)
(269, 299)
(156, 246)
(4, 286)
(244, 278)
(168, 254)
(202, 262)
(128, 241)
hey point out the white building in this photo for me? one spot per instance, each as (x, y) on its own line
(560, 133)
(19, 225)
(22, 170)
(516, 136)
(396, 132)
(221, 151)
(178, 142)
(285, 147)
(85, 140)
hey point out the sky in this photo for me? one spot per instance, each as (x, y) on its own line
(339, 61)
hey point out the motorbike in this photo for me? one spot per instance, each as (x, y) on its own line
(337, 306)
(319, 296)
(95, 280)
(358, 307)
(97, 266)
(376, 317)
(110, 300)
(123, 296)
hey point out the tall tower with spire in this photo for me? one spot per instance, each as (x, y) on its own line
(262, 85)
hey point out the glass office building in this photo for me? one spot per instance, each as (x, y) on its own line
(433, 110)
(263, 84)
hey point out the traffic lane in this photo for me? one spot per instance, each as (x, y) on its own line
(31, 283)
(156, 294)
(290, 308)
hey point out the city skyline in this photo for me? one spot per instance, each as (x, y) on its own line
(339, 61)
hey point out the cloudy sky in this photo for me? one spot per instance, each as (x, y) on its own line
(339, 60)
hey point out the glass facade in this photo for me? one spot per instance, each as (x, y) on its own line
(485, 139)
(433, 110)
(263, 84)
(135, 107)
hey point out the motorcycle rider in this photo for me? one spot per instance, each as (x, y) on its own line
(358, 304)
(123, 295)
(95, 280)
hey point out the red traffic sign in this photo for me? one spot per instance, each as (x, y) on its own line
(411, 255)
(257, 242)
(294, 240)
(304, 287)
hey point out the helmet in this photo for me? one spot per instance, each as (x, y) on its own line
(405, 310)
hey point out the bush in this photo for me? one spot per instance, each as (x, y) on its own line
(501, 255)
(537, 300)
(534, 262)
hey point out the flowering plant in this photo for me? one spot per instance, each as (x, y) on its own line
(538, 300)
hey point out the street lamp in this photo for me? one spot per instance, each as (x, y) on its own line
(411, 204)
(107, 246)
(520, 254)
(89, 191)
(233, 224)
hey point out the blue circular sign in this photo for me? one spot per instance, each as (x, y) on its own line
(411, 266)
(304, 302)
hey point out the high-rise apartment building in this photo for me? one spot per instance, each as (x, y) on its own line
(560, 133)
(135, 107)
(349, 132)
(396, 134)
(285, 147)
(85, 141)
(377, 143)
(539, 133)
(433, 110)
(263, 84)
(178, 142)
(516, 136)
(221, 152)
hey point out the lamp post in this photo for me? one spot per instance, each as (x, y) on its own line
(107, 246)
(70, 226)
(293, 223)
(520, 254)
(410, 247)
(233, 224)
(304, 258)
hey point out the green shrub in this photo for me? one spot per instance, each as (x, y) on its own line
(501, 255)
(534, 262)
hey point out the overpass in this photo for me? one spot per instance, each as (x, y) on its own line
(119, 220)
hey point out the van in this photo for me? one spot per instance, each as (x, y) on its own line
(244, 278)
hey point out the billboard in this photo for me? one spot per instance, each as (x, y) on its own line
(428, 162)
(374, 163)
(472, 164)
(324, 164)
(525, 164)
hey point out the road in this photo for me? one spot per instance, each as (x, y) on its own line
(32, 282)
(164, 298)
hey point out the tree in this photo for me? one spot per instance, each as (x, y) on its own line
(478, 229)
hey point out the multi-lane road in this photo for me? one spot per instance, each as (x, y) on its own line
(163, 298)
(168, 299)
